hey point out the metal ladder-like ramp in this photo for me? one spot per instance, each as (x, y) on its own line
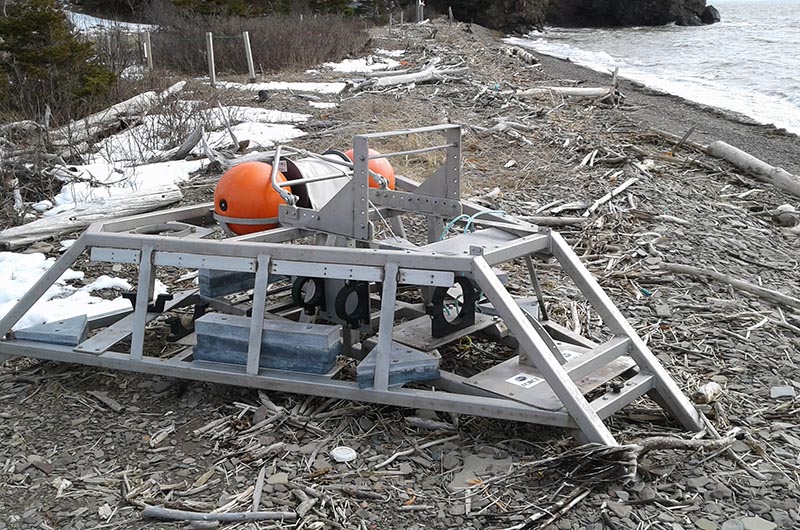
(251, 336)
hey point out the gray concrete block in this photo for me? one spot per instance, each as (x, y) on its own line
(214, 283)
(285, 345)
(406, 365)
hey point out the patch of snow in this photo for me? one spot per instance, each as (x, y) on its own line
(367, 64)
(18, 273)
(322, 105)
(320, 88)
(89, 24)
(42, 206)
(390, 53)
(146, 140)
(101, 180)
(238, 114)
(259, 134)
(107, 282)
(66, 243)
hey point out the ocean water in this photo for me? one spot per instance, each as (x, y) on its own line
(748, 63)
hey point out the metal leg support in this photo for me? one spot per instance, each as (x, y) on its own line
(257, 316)
(570, 395)
(146, 279)
(669, 394)
(384, 347)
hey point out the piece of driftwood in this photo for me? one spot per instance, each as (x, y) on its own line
(582, 92)
(25, 126)
(776, 176)
(86, 214)
(521, 54)
(769, 295)
(386, 73)
(168, 514)
(553, 221)
(678, 140)
(427, 75)
(84, 129)
(610, 195)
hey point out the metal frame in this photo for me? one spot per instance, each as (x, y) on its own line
(358, 257)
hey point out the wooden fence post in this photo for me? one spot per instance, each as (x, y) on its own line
(148, 51)
(251, 69)
(212, 71)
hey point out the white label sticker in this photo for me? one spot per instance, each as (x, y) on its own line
(282, 167)
(524, 380)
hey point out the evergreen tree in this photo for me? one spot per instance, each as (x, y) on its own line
(43, 63)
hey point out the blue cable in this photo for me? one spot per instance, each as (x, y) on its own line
(451, 224)
(471, 220)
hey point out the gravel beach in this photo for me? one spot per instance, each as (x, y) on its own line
(88, 449)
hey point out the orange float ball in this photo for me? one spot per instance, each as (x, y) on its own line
(245, 192)
(381, 166)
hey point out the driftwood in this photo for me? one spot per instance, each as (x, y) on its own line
(84, 129)
(183, 150)
(157, 512)
(386, 73)
(427, 75)
(769, 295)
(776, 176)
(583, 92)
(87, 214)
(25, 126)
(610, 195)
(553, 221)
(521, 54)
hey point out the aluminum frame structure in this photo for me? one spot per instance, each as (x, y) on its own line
(548, 380)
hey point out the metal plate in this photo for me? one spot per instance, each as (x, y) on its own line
(417, 333)
(525, 385)
(488, 239)
(122, 329)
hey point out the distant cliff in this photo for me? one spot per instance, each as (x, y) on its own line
(522, 15)
(630, 12)
(507, 15)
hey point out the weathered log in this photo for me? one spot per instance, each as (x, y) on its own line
(776, 176)
(84, 129)
(769, 295)
(157, 512)
(583, 92)
(427, 75)
(521, 54)
(86, 214)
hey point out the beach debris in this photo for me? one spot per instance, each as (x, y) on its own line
(343, 454)
(776, 176)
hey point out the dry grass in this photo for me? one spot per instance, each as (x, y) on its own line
(277, 42)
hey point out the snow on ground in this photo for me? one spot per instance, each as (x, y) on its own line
(366, 64)
(320, 88)
(390, 53)
(97, 181)
(236, 113)
(89, 24)
(322, 105)
(147, 140)
(259, 134)
(18, 273)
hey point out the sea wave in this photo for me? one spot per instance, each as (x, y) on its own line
(730, 83)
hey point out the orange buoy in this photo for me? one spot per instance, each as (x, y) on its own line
(245, 192)
(381, 166)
